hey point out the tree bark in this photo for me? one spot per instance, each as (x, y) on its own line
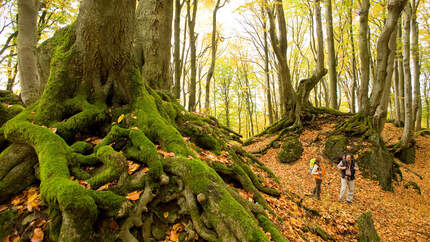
(331, 56)
(354, 62)
(266, 70)
(415, 63)
(407, 135)
(177, 49)
(364, 57)
(153, 36)
(26, 48)
(192, 11)
(214, 43)
(401, 76)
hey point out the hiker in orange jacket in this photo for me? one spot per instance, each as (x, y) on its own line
(318, 172)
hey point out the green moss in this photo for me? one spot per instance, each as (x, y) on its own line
(377, 164)
(335, 148)
(268, 226)
(108, 201)
(156, 128)
(291, 150)
(414, 185)
(367, 228)
(115, 164)
(84, 121)
(82, 147)
(8, 219)
(407, 155)
(145, 151)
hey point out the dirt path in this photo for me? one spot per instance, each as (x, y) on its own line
(400, 216)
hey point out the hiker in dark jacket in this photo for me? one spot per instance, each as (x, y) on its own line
(318, 172)
(348, 167)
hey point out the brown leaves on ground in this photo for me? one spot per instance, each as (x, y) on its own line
(133, 196)
(28, 200)
(400, 216)
(37, 235)
(132, 167)
(164, 153)
(223, 158)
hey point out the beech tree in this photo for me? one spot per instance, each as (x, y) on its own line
(95, 90)
(153, 36)
(26, 48)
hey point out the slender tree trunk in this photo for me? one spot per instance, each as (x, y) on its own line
(193, 61)
(401, 76)
(409, 115)
(364, 57)
(214, 42)
(153, 37)
(427, 104)
(415, 63)
(177, 47)
(266, 70)
(11, 70)
(331, 57)
(398, 119)
(26, 49)
(354, 62)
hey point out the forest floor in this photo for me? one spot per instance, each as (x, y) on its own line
(400, 216)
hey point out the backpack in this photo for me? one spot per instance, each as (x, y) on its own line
(311, 164)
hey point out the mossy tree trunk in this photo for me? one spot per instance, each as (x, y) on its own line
(93, 81)
(153, 36)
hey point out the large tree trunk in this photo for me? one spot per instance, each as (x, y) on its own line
(27, 41)
(331, 57)
(95, 90)
(364, 57)
(153, 36)
(192, 12)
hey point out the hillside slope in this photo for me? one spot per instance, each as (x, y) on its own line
(400, 216)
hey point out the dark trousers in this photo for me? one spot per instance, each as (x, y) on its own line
(317, 189)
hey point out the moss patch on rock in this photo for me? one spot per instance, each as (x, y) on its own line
(335, 147)
(291, 150)
(367, 228)
(407, 155)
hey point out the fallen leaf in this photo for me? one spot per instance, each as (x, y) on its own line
(132, 167)
(145, 169)
(37, 235)
(133, 196)
(166, 214)
(54, 130)
(104, 187)
(135, 128)
(85, 185)
(3, 207)
(121, 117)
